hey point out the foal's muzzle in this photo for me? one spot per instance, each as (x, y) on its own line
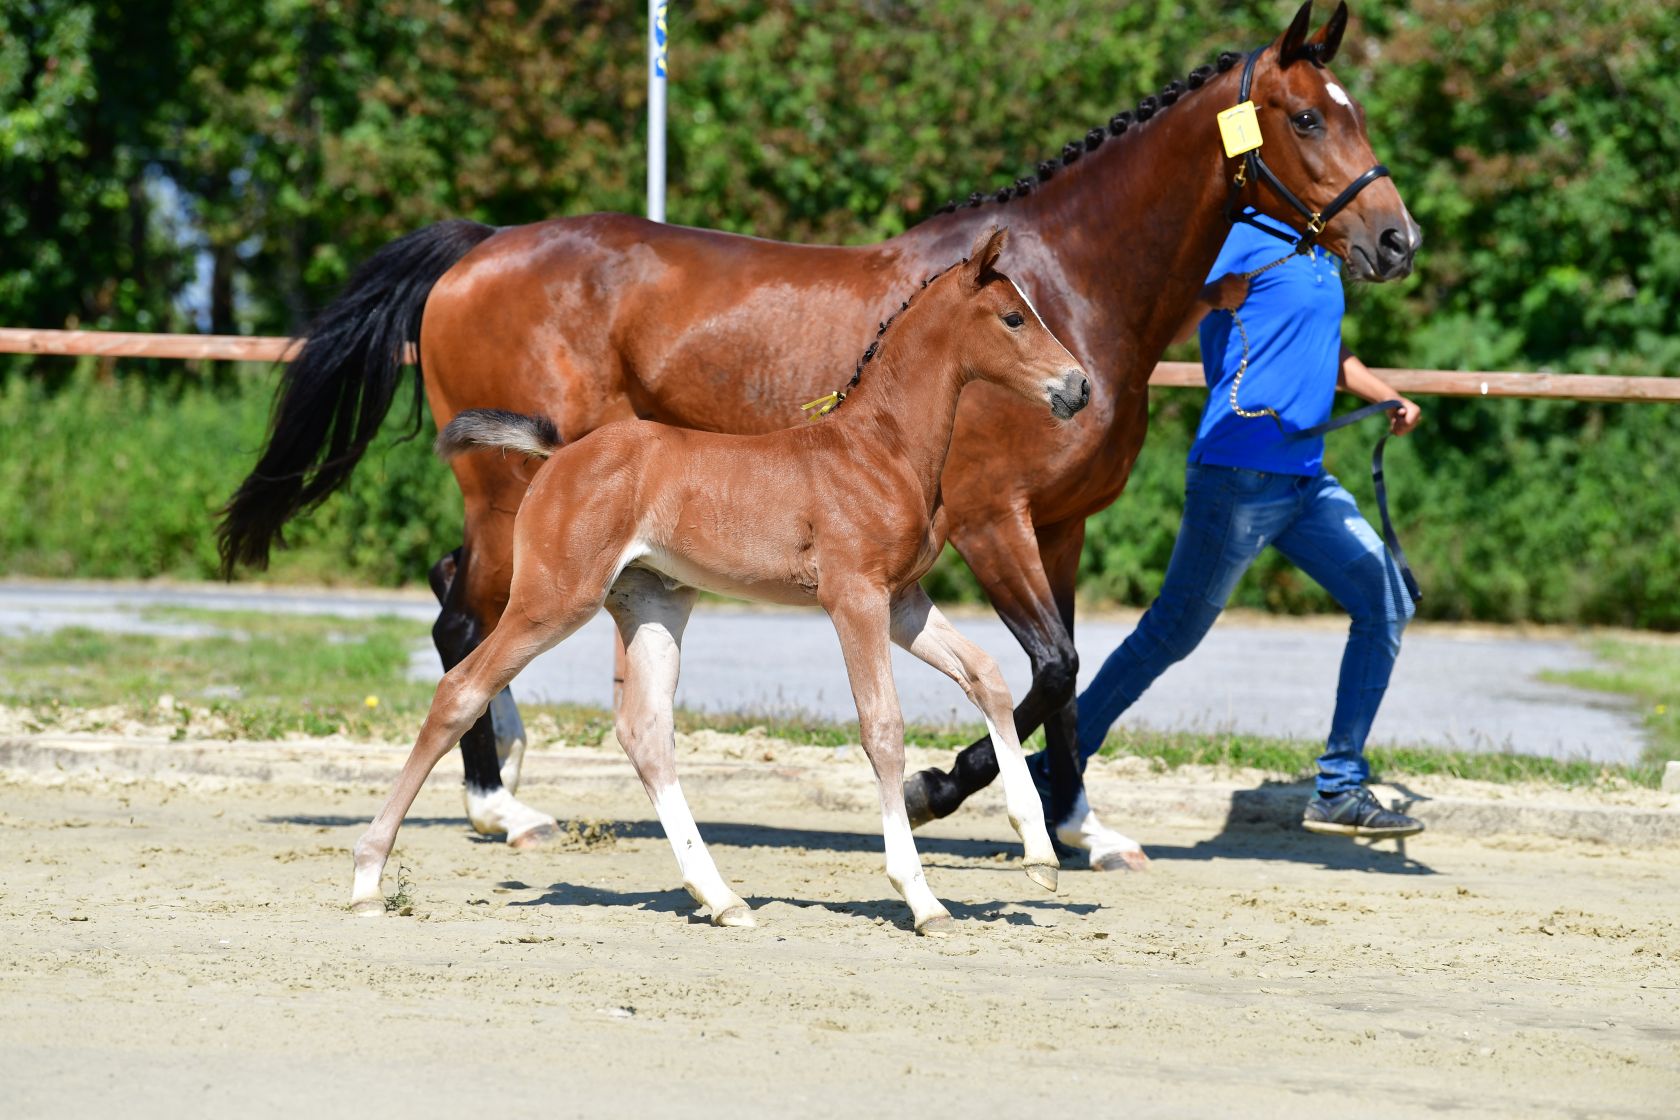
(1070, 394)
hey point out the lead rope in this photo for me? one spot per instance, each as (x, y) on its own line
(1242, 366)
(1390, 537)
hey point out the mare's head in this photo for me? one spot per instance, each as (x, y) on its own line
(1313, 138)
(1000, 338)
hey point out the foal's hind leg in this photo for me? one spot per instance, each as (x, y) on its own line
(651, 619)
(861, 618)
(493, 749)
(460, 699)
(919, 627)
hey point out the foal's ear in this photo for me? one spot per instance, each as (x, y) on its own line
(983, 260)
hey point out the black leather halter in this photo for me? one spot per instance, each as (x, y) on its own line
(1253, 166)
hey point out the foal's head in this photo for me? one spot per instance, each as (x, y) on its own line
(1000, 338)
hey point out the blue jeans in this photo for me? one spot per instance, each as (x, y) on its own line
(1230, 514)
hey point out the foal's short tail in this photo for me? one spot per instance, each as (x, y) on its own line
(495, 427)
(334, 396)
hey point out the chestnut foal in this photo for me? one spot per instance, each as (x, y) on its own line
(638, 515)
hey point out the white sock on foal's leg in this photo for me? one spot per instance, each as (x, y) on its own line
(699, 874)
(1026, 812)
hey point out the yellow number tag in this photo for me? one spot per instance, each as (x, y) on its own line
(1239, 127)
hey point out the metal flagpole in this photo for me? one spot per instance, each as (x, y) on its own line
(656, 111)
(656, 47)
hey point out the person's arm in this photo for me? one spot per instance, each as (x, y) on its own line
(1226, 293)
(1354, 376)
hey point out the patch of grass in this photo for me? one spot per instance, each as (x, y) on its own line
(250, 675)
(400, 901)
(1648, 673)
(253, 675)
(1284, 756)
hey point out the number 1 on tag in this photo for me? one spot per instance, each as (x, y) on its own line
(1239, 128)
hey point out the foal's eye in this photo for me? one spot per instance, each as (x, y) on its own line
(1307, 120)
(1013, 319)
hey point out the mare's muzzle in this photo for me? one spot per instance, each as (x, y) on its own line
(1070, 395)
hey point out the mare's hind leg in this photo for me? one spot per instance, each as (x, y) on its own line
(460, 699)
(651, 618)
(918, 626)
(455, 634)
(861, 618)
(493, 749)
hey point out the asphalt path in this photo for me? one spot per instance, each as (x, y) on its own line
(1469, 688)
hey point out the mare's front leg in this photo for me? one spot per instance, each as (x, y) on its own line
(493, 748)
(918, 626)
(651, 620)
(861, 617)
(1010, 559)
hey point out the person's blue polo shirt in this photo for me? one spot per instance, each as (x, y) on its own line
(1293, 316)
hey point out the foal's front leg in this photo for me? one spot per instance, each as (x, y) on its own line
(918, 626)
(861, 618)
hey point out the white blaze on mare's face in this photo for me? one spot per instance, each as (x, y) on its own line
(1338, 94)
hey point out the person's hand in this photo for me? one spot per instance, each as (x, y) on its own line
(1404, 418)
(1226, 293)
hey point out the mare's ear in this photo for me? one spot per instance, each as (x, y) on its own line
(983, 260)
(1321, 48)
(1289, 47)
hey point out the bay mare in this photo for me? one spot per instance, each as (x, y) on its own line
(638, 515)
(598, 318)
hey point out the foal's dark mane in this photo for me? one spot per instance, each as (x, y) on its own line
(880, 335)
(1093, 139)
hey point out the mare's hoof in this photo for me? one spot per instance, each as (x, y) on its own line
(918, 800)
(1123, 859)
(1044, 874)
(368, 908)
(940, 925)
(534, 837)
(737, 916)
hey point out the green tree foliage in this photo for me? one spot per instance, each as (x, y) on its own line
(282, 141)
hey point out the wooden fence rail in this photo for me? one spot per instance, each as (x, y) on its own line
(1419, 382)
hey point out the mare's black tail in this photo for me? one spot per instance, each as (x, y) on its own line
(335, 394)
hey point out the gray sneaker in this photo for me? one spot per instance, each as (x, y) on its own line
(1357, 813)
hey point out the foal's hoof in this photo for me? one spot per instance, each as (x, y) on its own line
(737, 916)
(1044, 874)
(940, 925)
(1123, 859)
(534, 837)
(368, 908)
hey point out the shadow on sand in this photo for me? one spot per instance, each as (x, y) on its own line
(1262, 823)
(1265, 823)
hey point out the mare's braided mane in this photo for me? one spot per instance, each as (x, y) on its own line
(1093, 139)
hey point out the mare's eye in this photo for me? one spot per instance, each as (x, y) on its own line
(1307, 120)
(1013, 319)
